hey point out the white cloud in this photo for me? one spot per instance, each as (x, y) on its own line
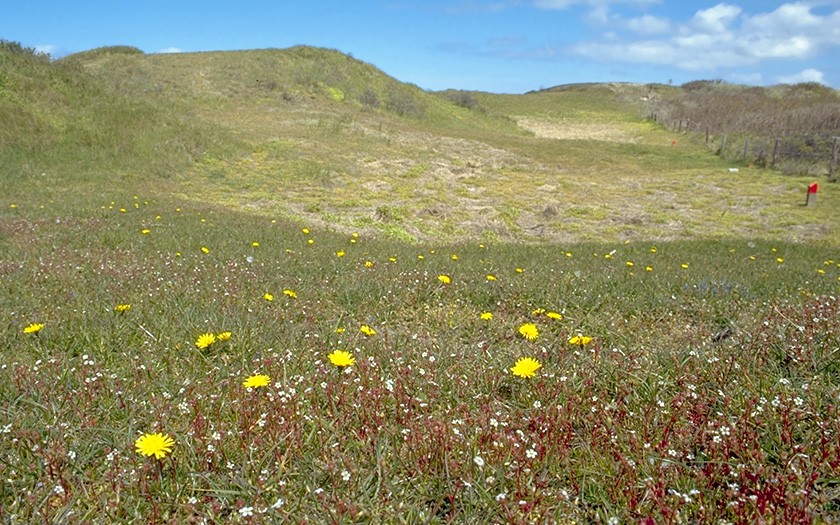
(716, 19)
(807, 75)
(648, 25)
(170, 50)
(720, 37)
(47, 49)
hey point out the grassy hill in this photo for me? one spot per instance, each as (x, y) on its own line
(315, 135)
(209, 315)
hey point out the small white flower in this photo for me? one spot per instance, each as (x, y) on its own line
(501, 496)
(246, 511)
(192, 500)
(479, 461)
(71, 454)
(277, 504)
(345, 475)
(531, 453)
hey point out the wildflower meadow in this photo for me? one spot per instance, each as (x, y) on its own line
(174, 363)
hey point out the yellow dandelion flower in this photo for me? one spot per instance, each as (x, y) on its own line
(340, 330)
(145, 231)
(444, 279)
(205, 250)
(268, 297)
(519, 270)
(490, 277)
(368, 264)
(392, 259)
(33, 328)
(310, 241)
(305, 231)
(779, 260)
(290, 293)
(420, 257)
(454, 257)
(224, 336)
(339, 253)
(684, 266)
(554, 315)
(256, 381)
(580, 340)
(157, 445)
(342, 358)
(538, 311)
(367, 330)
(653, 249)
(486, 316)
(629, 264)
(205, 340)
(255, 244)
(354, 235)
(529, 331)
(526, 367)
(648, 268)
(121, 308)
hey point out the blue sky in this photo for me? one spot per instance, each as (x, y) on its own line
(505, 46)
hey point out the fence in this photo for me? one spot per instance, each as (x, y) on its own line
(793, 154)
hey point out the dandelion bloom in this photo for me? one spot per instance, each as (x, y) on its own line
(305, 231)
(256, 381)
(365, 329)
(145, 231)
(454, 257)
(290, 293)
(538, 311)
(205, 249)
(255, 244)
(529, 331)
(554, 315)
(33, 328)
(580, 340)
(519, 270)
(310, 241)
(779, 260)
(491, 277)
(526, 367)
(486, 315)
(224, 336)
(368, 264)
(157, 445)
(339, 253)
(629, 264)
(444, 279)
(120, 308)
(205, 340)
(684, 266)
(268, 297)
(340, 330)
(342, 358)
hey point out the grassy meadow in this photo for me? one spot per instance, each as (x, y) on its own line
(684, 317)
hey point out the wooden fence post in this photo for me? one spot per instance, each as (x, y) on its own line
(722, 145)
(746, 148)
(775, 153)
(832, 169)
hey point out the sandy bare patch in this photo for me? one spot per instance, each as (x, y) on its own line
(560, 130)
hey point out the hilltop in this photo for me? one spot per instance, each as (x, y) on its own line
(318, 136)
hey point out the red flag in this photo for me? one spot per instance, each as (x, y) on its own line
(812, 188)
